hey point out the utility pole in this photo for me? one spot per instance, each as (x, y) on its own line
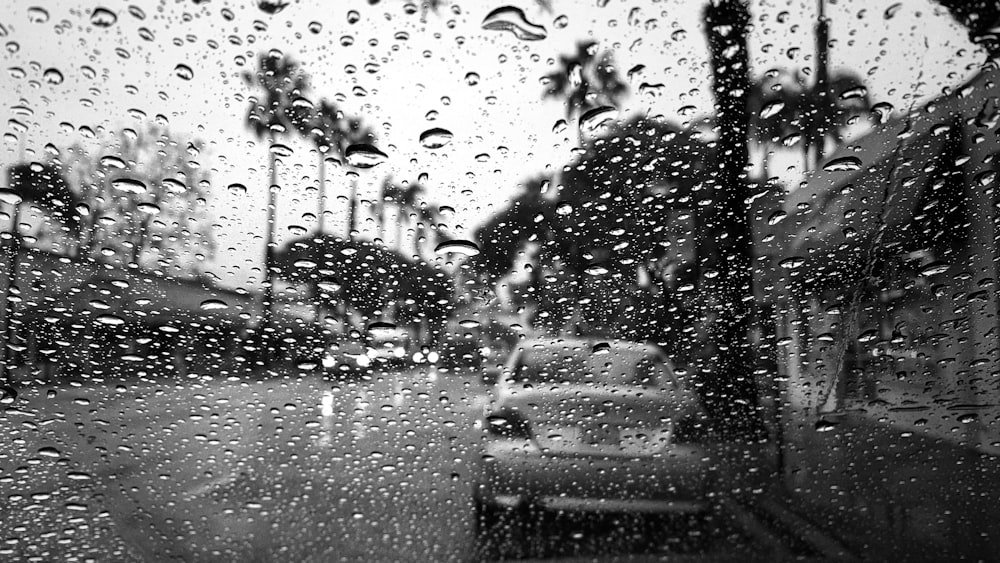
(823, 108)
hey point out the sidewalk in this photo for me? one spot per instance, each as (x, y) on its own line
(888, 494)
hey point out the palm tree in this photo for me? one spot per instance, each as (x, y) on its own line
(782, 107)
(427, 218)
(352, 131)
(407, 203)
(732, 399)
(320, 124)
(268, 117)
(585, 80)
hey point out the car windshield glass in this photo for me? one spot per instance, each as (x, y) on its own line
(496, 280)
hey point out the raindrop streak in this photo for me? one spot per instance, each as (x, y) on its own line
(129, 185)
(435, 138)
(509, 18)
(364, 156)
(596, 117)
(183, 72)
(842, 164)
(465, 247)
(103, 17)
(213, 305)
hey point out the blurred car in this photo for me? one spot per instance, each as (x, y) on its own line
(347, 357)
(389, 345)
(592, 427)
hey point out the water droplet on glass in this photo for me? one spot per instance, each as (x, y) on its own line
(103, 17)
(842, 164)
(353, 16)
(279, 149)
(564, 208)
(772, 109)
(213, 305)
(890, 12)
(560, 22)
(49, 451)
(112, 320)
(596, 270)
(468, 323)
(465, 247)
(150, 208)
(38, 15)
(471, 78)
(10, 197)
(435, 138)
(793, 262)
(601, 348)
(597, 117)
(825, 426)
(776, 217)
(933, 269)
(53, 76)
(183, 72)
(238, 188)
(509, 18)
(882, 111)
(364, 156)
(315, 27)
(129, 185)
(174, 185)
(856, 92)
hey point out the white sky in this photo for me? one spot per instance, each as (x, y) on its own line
(912, 55)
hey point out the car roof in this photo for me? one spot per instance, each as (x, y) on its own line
(587, 344)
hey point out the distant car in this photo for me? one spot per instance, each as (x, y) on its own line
(389, 345)
(591, 426)
(347, 357)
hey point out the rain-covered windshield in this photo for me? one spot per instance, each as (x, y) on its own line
(541, 280)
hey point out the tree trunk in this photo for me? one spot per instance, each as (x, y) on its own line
(321, 197)
(731, 396)
(352, 210)
(267, 314)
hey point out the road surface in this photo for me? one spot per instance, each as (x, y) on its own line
(285, 466)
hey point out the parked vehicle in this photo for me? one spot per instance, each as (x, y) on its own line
(590, 426)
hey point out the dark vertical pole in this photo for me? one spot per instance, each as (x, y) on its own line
(267, 315)
(733, 399)
(8, 307)
(824, 111)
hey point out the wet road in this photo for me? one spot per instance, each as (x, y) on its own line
(292, 467)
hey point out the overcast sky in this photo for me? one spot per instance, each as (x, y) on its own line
(503, 130)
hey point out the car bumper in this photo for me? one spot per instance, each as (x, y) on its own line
(513, 474)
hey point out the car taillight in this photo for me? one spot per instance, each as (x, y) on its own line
(508, 424)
